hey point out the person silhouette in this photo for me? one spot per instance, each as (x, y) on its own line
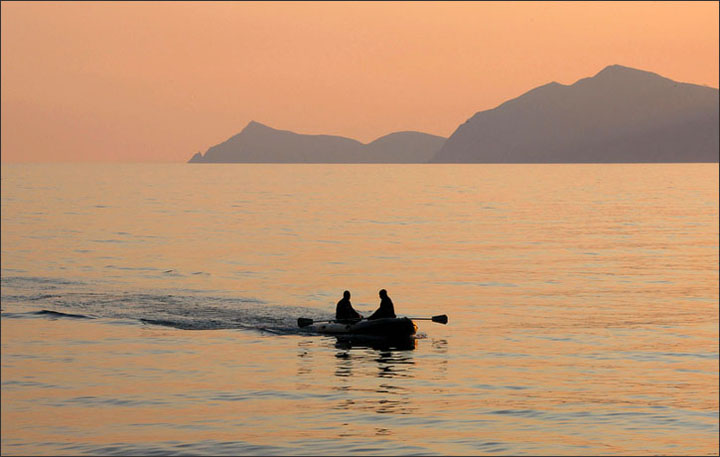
(386, 309)
(344, 309)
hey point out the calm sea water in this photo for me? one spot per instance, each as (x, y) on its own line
(151, 309)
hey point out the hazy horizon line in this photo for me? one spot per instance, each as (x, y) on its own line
(108, 162)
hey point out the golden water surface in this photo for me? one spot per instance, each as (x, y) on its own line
(152, 308)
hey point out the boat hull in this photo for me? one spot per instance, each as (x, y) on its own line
(387, 327)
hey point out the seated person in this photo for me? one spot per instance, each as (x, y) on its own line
(386, 309)
(344, 310)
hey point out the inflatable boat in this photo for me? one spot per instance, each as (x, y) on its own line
(396, 327)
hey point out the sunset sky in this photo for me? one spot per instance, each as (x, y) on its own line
(157, 82)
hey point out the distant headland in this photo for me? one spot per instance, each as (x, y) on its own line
(258, 143)
(620, 115)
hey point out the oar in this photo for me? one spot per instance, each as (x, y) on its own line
(441, 319)
(304, 321)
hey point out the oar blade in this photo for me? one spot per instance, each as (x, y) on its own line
(304, 322)
(441, 319)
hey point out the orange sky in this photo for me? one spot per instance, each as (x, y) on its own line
(157, 82)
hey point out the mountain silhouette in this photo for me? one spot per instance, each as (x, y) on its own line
(258, 143)
(619, 115)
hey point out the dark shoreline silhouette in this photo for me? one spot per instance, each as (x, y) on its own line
(620, 115)
(258, 143)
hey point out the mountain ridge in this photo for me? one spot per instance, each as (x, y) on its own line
(259, 143)
(619, 115)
